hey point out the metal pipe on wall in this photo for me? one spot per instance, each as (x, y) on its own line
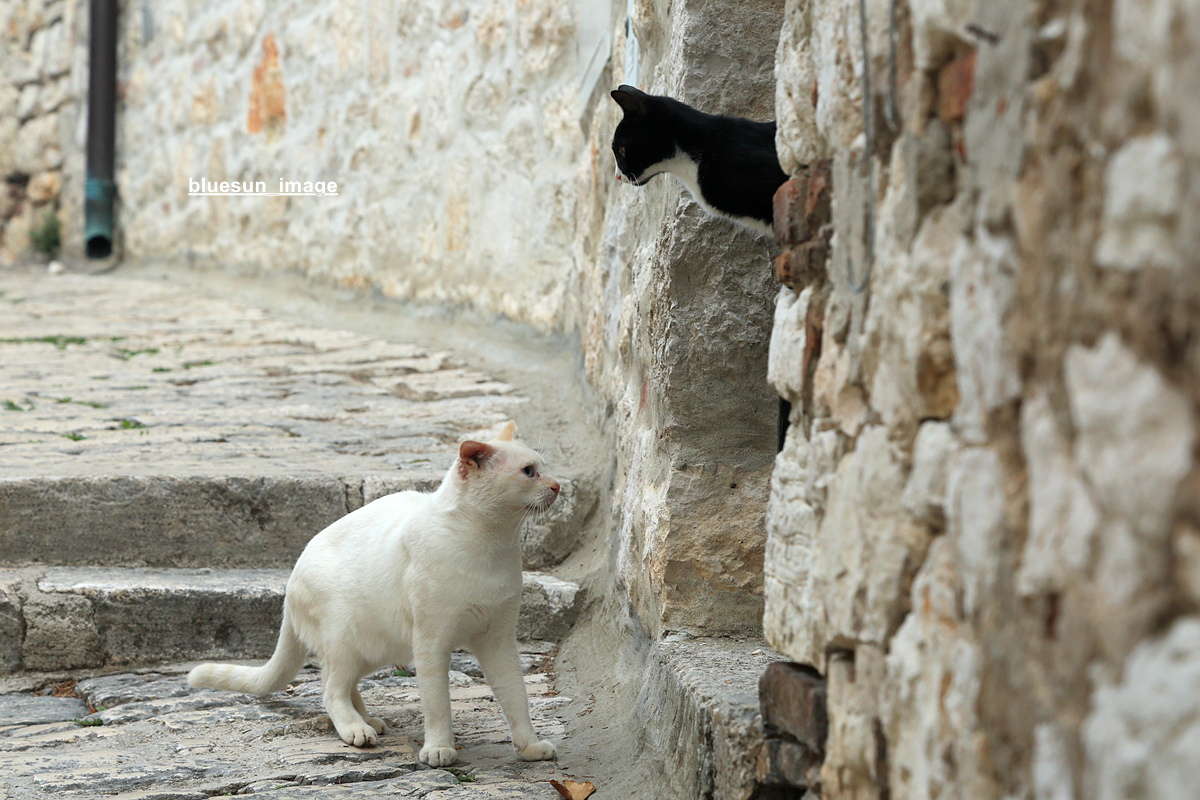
(100, 188)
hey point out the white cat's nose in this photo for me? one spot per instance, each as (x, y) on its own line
(554, 487)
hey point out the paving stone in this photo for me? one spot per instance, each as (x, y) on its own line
(162, 739)
(21, 709)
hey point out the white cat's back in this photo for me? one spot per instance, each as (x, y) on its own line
(354, 573)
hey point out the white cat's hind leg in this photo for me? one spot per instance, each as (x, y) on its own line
(341, 690)
(361, 708)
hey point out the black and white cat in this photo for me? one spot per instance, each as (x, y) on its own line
(727, 163)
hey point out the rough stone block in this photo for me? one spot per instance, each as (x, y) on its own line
(1129, 421)
(818, 203)
(955, 83)
(792, 697)
(165, 521)
(60, 633)
(925, 492)
(805, 264)
(1062, 517)
(549, 607)
(1143, 733)
(786, 763)
(12, 623)
(145, 615)
(1143, 189)
(790, 224)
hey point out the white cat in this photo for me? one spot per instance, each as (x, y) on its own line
(406, 579)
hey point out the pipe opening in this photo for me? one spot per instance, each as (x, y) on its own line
(99, 247)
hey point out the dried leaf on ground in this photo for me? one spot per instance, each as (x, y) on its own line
(573, 790)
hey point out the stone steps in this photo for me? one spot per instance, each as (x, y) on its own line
(180, 521)
(68, 617)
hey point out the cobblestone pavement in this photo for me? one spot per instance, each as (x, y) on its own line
(135, 377)
(119, 381)
(148, 735)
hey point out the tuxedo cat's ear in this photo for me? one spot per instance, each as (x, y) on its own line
(472, 455)
(506, 433)
(631, 100)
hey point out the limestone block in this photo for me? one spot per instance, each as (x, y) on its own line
(925, 492)
(12, 627)
(1143, 189)
(708, 571)
(60, 633)
(932, 689)
(982, 279)
(908, 324)
(1134, 434)
(549, 607)
(1062, 516)
(16, 242)
(1053, 772)
(797, 140)
(166, 520)
(853, 768)
(782, 762)
(798, 488)
(44, 186)
(37, 146)
(866, 549)
(975, 521)
(27, 104)
(1144, 37)
(1142, 737)
(937, 28)
(793, 701)
(785, 364)
(1186, 548)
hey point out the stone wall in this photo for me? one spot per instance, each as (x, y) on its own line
(676, 316)
(449, 128)
(43, 94)
(983, 528)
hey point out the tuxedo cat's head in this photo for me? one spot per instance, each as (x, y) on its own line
(643, 140)
(504, 476)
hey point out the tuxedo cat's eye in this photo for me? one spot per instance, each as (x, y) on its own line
(529, 471)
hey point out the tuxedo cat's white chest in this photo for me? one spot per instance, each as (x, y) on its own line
(684, 167)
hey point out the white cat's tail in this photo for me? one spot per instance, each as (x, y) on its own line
(285, 662)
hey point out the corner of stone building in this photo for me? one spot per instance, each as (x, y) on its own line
(957, 487)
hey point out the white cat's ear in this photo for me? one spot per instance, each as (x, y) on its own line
(631, 100)
(472, 456)
(506, 433)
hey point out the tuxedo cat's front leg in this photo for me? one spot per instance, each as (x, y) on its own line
(497, 654)
(433, 684)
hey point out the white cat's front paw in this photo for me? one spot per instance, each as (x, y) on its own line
(359, 734)
(438, 755)
(377, 724)
(538, 751)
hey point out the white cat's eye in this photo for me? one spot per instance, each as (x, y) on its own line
(529, 471)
